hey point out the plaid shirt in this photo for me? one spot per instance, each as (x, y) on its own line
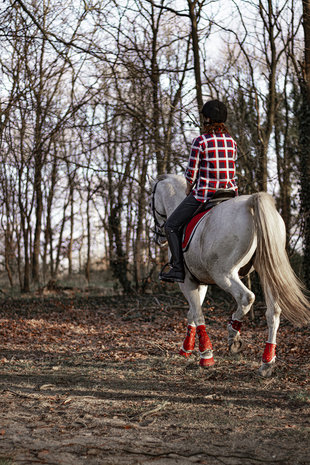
(212, 164)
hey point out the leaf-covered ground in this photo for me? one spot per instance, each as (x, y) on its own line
(98, 380)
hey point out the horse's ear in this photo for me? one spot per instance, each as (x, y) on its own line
(151, 180)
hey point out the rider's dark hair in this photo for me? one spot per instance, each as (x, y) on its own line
(213, 128)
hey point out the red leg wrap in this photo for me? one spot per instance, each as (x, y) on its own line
(205, 347)
(269, 352)
(236, 325)
(189, 341)
(204, 341)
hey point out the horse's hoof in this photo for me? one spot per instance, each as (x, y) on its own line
(266, 369)
(236, 346)
(206, 362)
(184, 354)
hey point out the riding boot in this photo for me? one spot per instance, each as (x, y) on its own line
(176, 273)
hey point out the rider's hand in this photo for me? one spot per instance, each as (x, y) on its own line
(188, 189)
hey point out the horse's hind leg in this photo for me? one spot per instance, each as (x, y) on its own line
(244, 298)
(195, 295)
(273, 321)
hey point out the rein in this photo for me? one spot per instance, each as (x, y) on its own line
(155, 212)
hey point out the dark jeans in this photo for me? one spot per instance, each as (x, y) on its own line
(182, 214)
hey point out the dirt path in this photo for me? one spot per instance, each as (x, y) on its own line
(99, 381)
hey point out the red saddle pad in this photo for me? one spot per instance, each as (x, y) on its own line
(190, 229)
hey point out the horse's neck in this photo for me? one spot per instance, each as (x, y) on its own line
(172, 197)
(173, 205)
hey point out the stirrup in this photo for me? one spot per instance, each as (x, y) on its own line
(177, 277)
(162, 271)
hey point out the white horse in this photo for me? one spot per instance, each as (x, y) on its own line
(246, 232)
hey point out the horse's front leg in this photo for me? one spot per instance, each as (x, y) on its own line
(273, 321)
(189, 341)
(189, 290)
(195, 295)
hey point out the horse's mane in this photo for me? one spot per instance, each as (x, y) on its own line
(173, 185)
(175, 177)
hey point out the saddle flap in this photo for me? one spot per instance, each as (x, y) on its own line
(190, 229)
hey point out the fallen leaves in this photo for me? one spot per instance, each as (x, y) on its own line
(126, 329)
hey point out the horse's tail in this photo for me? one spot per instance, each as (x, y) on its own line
(272, 263)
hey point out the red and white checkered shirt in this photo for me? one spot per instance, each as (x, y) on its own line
(212, 164)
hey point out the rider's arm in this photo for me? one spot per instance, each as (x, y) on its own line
(193, 164)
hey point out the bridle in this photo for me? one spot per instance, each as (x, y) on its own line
(158, 226)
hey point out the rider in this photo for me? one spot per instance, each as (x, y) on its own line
(211, 166)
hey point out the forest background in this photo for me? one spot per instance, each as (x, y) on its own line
(96, 96)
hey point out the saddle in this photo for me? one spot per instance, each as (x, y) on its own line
(218, 197)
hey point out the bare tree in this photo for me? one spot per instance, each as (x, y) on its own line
(303, 73)
(99, 97)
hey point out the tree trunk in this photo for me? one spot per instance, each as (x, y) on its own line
(39, 212)
(26, 234)
(161, 165)
(63, 222)
(70, 246)
(88, 228)
(8, 253)
(196, 54)
(119, 260)
(48, 227)
(304, 126)
(19, 259)
(306, 25)
(26, 286)
(138, 261)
